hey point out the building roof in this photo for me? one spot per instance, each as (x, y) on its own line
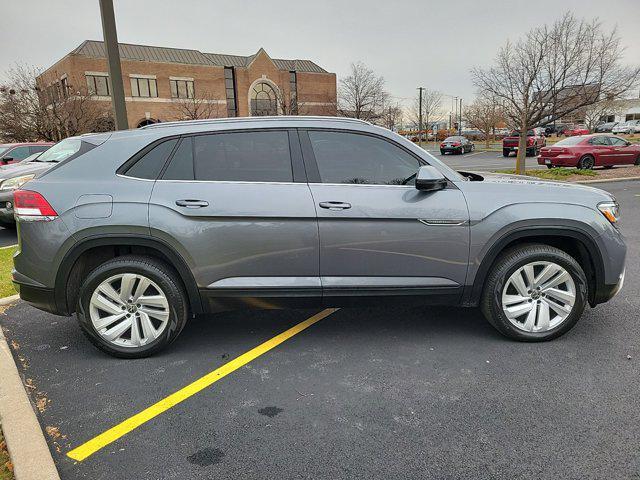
(146, 53)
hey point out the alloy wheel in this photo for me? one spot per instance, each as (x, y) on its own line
(129, 310)
(538, 296)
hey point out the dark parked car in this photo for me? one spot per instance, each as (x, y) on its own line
(16, 152)
(137, 231)
(534, 143)
(605, 127)
(588, 151)
(556, 129)
(15, 175)
(456, 144)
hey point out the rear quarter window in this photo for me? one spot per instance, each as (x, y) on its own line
(149, 165)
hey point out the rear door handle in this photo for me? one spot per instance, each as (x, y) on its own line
(335, 205)
(189, 203)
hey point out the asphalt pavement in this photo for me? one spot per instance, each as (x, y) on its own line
(433, 393)
(482, 161)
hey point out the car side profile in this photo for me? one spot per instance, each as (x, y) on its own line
(456, 144)
(629, 127)
(16, 152)
(138, 231)
(588, 151)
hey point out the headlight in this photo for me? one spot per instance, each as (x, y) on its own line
(17, 182)
(611, 210)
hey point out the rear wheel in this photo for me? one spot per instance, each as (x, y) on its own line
(586, 163)
(637, 160)
(505, 152)
(534, 293)
(132, 306)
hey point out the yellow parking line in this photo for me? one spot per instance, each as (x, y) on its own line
(92, 446)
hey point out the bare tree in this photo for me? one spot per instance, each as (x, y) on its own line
(604, 108)
(484, 114)
(31, 109)
(201, 105)
(362, 94)
(391, 116)
(431, 108)
(553, 71)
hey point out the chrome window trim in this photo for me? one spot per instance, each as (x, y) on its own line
(362, 185)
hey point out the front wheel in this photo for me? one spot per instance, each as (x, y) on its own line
(549, 167)
(534, 292)
(132, 306)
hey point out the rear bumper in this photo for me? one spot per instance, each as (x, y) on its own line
(41, 298)
(559, 160)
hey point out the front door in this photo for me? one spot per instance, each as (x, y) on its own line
(378, 233)
(229, 203)
(623, 152)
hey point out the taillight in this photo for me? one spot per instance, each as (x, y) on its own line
(29, 205)
(529, 141)
(457, 144)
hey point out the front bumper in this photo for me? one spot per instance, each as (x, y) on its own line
(6, 206)
(607, 292)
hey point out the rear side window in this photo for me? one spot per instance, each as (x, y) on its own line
(235, 157)
(151, 163)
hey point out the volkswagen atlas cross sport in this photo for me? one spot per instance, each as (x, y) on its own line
(137, 231)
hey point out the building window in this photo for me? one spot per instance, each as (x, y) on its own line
(181, 88)
(263, 100)
(98, 85)
(144, 87)
(64, 85)
(293, 88)
(230, 88)
(632, 116)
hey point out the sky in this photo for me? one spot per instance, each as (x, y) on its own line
(410, 43)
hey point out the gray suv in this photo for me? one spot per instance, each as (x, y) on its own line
(137, 231)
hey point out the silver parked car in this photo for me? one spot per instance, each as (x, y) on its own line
(137, 231)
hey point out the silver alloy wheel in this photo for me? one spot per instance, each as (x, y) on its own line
(538, 296)
(129, 310)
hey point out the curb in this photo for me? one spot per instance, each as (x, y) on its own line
(9, 300)
(617, 179)
(26, 444)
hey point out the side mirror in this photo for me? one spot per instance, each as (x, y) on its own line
(429, 179)
(6, 160)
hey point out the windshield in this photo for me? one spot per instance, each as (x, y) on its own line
(569, 141)
(61, 150)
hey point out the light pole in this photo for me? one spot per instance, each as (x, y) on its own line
(420, 89)
(113, 60)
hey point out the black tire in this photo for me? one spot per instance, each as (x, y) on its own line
(442, 152)
(550, 167)
(157, 271)
(461, 152)
(8, 225)
(505, 152)
(637, 160)
(586, 163)
(504, 267)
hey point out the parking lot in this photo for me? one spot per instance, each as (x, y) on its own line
(376, 393)
(481, 161)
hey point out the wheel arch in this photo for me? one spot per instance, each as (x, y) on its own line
(576, 243)
(90, 252)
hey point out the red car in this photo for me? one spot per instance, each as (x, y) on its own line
(16, 152)
(588, 151)
(534, 143)
(574, 130)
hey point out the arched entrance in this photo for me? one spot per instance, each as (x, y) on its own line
(263, 100)
(146, 121)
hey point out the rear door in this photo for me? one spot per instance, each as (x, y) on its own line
(377, 235)
(602, 150)
(237, 207)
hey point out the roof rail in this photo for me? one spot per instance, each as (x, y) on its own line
(206, 121)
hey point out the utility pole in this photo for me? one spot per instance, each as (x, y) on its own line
(420, 89)
(113, 60)
(460, 119)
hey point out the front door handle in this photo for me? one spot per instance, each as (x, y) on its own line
(335, 205)
(189, 203)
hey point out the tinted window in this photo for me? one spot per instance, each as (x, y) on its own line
(151, 163)
(181, 166)
(617, 142)
(246, 157)
(19, 153)
(354, 158)
(39, 148)
(599, 141)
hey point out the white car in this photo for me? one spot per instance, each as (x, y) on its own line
(630, 126)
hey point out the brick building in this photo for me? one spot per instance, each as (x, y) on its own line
(162, 84)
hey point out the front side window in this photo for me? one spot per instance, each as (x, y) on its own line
(144, 87)
(182, 88)
(618, 142)
(98, 85)
(353, 158)
(38, 148)
(239, 157)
